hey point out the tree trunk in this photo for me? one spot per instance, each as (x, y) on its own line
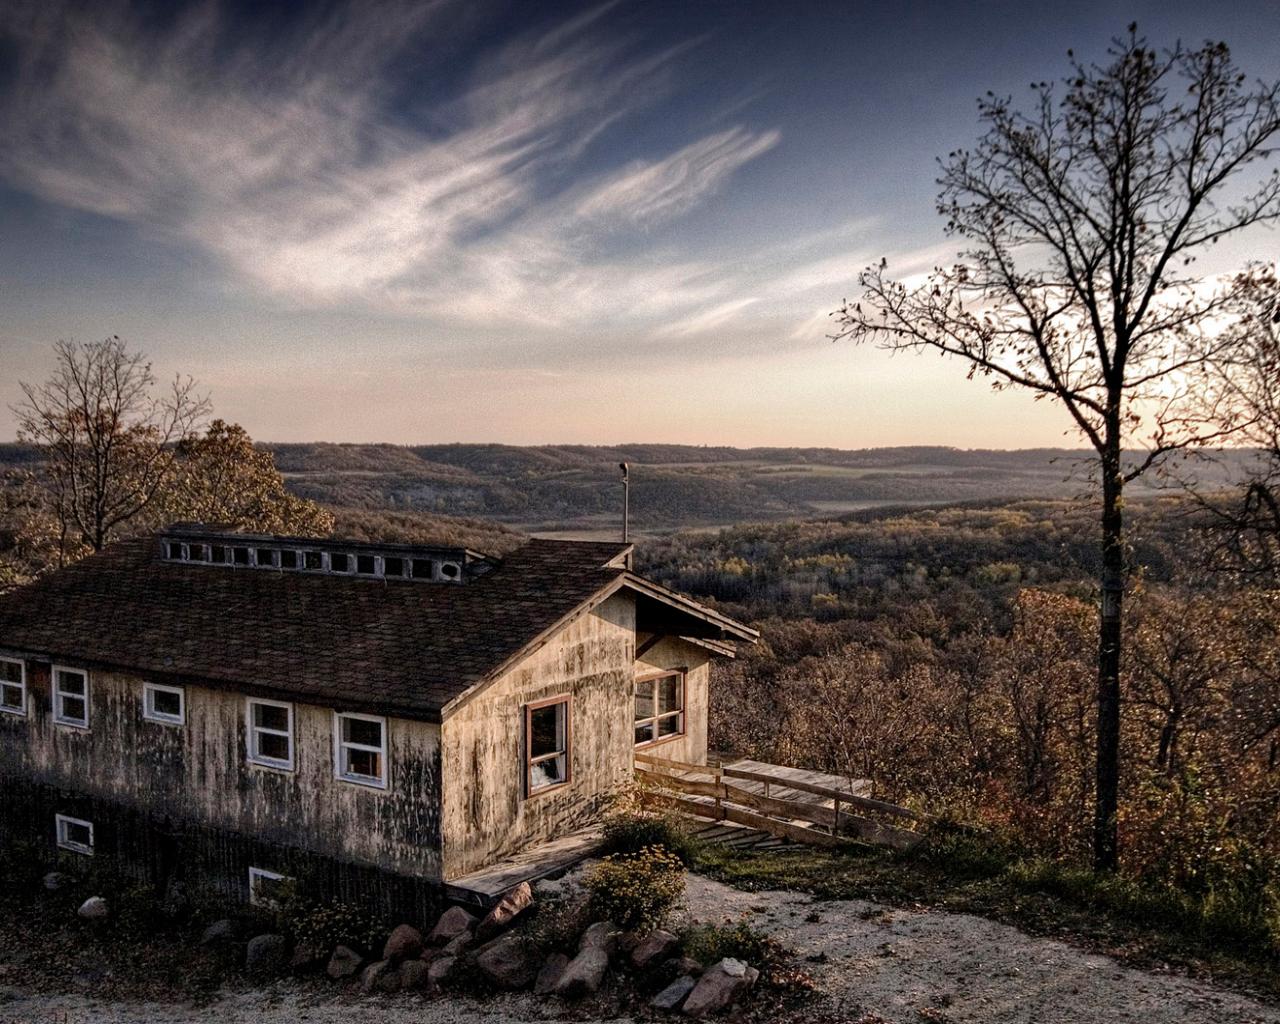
(1105, 842)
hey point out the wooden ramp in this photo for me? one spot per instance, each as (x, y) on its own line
(795, 804)
(485, 887)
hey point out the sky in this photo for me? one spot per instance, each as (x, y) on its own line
(522, 222)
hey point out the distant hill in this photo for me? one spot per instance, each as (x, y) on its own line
(575, 489)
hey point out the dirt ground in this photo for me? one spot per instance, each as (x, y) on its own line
(871, 964)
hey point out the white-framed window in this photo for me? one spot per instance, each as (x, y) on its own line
(71, 697)
(13, 686)
(74, 834)
(548, 734)
(269, 733)
(360, 749)
(659, 707)
(266, 887)
(165, 704)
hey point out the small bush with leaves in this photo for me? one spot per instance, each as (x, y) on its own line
(708, 943)
(636, 890)
(630, 828)
(326, 924)
(556, 926)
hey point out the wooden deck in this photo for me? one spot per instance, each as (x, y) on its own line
(485, 887)
(780, 790)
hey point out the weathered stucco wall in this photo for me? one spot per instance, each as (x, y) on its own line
(198, 773)
(674, 653)
(486, 815)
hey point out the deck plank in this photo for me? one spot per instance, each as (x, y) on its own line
(486, 886)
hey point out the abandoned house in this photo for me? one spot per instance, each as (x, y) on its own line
(383, 720)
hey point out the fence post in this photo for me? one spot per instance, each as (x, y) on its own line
(835, 829)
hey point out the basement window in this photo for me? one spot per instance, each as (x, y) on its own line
(269, 725)
(71, 697)
(360, 749)
(547, 734)
(164, 704)
(267, 888)
(74, 834)
(13, 686)
(659, 707)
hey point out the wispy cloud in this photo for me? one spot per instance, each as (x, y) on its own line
(291, 161)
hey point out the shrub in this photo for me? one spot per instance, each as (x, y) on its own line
(629, 830)
(636, 890)
(326, 924)
(709, 943)
(556, 926)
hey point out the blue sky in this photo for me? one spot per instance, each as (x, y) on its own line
(521, 222)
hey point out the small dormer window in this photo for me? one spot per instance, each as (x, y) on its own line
(313, 561)
(175, 550)
(240, 556)
(288, 559)
(366, 565)
(393, 567)
(424, 569)
(267, 558)
(339, 561)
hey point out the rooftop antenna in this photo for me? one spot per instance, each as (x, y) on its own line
(626, 502)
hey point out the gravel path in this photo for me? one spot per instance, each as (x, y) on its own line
(875, 965)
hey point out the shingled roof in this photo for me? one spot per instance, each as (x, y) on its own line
(400, 646)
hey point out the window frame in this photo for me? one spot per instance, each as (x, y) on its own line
(57, 693)
(160, 717)
(256, 873)
(340, 745)
(21, 684)
(529, 761)
(251, 731)
(59, 820)
(652, 721)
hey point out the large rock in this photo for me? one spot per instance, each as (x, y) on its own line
(720, 986)
(266, 955)
(220, 933)
(673, 995)
(459, 944)
(658, 945)
(373, 976)
(94, 909)
(345, 963)
(404, 943)
(413, 975)
(550, 974)
(584, 974)
(602, 935)
(440, 970)
(307, 957)
(504, 912)
(453, 922)
(508, 962)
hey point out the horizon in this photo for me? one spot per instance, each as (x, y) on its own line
(507, 223)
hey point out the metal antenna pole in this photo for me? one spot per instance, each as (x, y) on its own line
(626, 502)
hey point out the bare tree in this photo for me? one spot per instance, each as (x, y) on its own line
(1243, 524)
(1081, 218)
(108, 439)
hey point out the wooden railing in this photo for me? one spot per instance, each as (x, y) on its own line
(708, 791)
